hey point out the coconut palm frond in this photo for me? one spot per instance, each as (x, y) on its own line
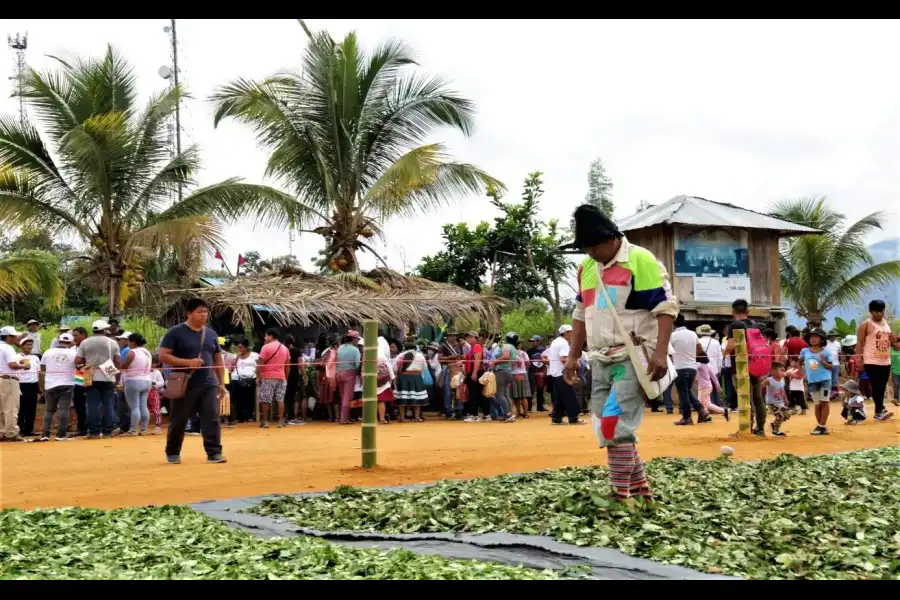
(820, 272)
(31, 272)
(348, 134)
(850, 291)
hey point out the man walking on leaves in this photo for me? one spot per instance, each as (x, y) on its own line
(638, 286)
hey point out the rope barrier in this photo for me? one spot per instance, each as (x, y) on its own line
(320, 363)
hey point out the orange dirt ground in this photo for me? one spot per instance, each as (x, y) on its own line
(112, 473)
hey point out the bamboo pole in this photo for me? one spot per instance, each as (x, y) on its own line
(742, 380)
(370, 399)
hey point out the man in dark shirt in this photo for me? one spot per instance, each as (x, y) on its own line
(292, 410)
(449, 355)
(537, 372)
(740, 310)
(181, 348)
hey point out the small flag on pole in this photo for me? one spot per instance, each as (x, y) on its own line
(241, 259)
(218, 255)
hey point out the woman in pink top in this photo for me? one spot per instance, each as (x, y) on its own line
(136, 368)
(874, 339)
(274, 363)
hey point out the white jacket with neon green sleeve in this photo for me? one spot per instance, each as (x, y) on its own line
(638, 285)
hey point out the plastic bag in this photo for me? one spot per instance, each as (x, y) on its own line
(489, 381)
(457, 380)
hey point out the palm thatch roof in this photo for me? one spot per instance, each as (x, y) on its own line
(295, 297)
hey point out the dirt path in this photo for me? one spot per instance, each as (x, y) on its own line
(120, 472)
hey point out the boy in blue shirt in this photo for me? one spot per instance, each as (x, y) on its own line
(816, 363)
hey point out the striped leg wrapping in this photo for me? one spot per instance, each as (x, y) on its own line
(626, 471)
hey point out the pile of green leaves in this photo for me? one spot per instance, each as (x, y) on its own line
(175, 542)
(832, 517)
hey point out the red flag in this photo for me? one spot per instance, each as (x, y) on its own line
(241, 259)
(219, 255)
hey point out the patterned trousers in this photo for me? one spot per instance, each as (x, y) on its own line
(626, 472)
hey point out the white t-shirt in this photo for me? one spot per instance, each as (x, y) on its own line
(59, 367)
(156, 379)
(245, 368)
(384, 349)
(714, 352)
(31, 374)
(726, 362)
(684, 341)
(558, 354)
(7, 355)
(834, 349)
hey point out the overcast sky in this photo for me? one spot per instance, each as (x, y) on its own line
(746, 112)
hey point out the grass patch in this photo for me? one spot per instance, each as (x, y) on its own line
(830, 517)
(175, 542)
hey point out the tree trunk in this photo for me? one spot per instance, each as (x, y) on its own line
(557, 311)
(115, 292)
(552, 300)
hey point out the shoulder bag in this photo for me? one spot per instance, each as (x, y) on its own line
(639, 360)
(176, 384)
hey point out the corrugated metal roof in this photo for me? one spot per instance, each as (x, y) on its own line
(691, 210)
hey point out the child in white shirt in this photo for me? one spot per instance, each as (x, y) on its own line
(796, 389)
(854, 403)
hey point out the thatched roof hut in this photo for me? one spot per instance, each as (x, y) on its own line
(293, 297)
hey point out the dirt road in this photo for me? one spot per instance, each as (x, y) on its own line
(120, 472)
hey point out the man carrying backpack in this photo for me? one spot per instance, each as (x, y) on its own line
(760, 360)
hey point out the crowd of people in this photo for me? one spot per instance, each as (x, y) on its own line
(470, 377)
(595, 366)
(786, 375)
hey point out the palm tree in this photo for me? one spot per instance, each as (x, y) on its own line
(346, 136)
(817, 271)
(31, 272)
(102, 170)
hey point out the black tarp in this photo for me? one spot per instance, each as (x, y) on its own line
(538, 552)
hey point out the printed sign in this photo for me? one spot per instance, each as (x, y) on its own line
(721, 289)
(710, 253)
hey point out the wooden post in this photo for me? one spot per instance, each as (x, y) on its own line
(742, 380)
(370, 398)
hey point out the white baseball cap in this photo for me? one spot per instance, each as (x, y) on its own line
(8, 331)
(123, 336)
(99, 325)
(33, 322)
(66, 337)
(564, 329)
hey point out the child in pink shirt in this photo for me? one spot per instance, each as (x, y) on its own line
(706, 382)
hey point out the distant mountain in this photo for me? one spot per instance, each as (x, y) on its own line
(883, 251)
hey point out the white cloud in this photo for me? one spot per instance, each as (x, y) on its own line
(747, 112)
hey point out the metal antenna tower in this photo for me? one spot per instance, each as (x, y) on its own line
(18, 45)
(171, 73)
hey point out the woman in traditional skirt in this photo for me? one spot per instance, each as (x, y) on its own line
(410, 384)
(521, 390)
(384, 381)
(327, 377)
